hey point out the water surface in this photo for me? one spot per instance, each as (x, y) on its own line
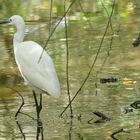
(85, 31)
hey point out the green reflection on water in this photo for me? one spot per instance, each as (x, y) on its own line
(84, 39)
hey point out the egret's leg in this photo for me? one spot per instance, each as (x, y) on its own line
(38, 110)
(39, 130)
(38, 105)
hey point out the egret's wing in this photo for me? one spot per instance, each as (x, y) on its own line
(40, 74)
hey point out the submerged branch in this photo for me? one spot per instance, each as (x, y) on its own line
(22, 104)
(20, 129)
(102, 118)
(22, 99)
(117, 132)
(136, 104)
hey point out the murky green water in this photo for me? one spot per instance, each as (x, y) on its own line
(85, 31)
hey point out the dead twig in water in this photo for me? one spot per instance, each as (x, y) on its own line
(102, 116)
(22, 104)
(20, 129)
(116, 132)
(136, 105)
(136, 42)
(128, 110)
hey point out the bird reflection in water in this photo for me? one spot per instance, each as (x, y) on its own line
(39, 131)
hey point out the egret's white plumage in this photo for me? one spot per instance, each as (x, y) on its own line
(41, 76)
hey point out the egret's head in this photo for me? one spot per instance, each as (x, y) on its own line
(14, 20)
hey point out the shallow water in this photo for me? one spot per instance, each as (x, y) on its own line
(119, 61)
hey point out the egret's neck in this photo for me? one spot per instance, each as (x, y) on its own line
(19, 35)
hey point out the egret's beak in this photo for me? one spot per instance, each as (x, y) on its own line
(4, 21)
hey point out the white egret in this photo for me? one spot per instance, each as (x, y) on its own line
(40, 75)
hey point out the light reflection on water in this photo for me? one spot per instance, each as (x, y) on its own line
(115, 110)
(111, 98)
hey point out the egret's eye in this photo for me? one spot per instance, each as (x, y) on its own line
(10, 20)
